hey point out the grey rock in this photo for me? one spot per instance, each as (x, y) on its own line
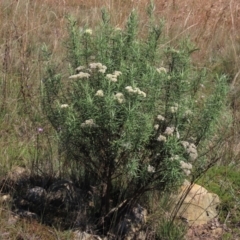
(78, 235)
(36, 195)
(130, 225)
(139, 214)
(62, 193)
(27, 214)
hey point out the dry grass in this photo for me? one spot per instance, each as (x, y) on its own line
(12, 227)
(25, 25)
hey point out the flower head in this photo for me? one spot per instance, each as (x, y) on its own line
(185, 144)
(95, 65)
(119, 97)
(40, 130)
(88, 31)
(129, 89)
(161, 70)
(143, 94)
(135, 90)
(161, 138)
(188, 113)
(80, 75)
(101, 68)
(80, 68)
(117, 73)
(64, 106)
(169, 131)
(88, 123)
(186, 167)
(99, 93)
(174, 108)
(111, 77)
(151, 169)
(175, 158)
(193, 156)
(160, 118)
(191, 149)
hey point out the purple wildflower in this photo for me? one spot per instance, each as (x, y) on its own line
(40, 130)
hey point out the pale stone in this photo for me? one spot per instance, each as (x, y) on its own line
(199, 206)
(5, 198)
(78, 235)
(217, 231)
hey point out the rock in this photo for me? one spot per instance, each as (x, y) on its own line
(36, 195)
(78, 235)
(199, 206)
(139, 235)
(213, 230)
(33, 199)
(27, 214)
(63, 194)
(217, 231)
(138, 214)
(130, 226)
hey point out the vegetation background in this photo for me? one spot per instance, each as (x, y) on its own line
(27, 139)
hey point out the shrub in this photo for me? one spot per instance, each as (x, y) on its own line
(132, 114)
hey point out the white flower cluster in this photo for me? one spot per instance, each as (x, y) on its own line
(151, 169)
(161, 70)
(88, 123)
(119, 97)
(160, 118)
(186, 167)
(64, 106)
(135, 90)
(174, 158)
(80, 75)
(161, 138)
(101, 68)
(169, 131)
(174, 108)
(80, 68)
(191, 149)
(188, 113)
(113, 77)
(88, 31)
(99, 93)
